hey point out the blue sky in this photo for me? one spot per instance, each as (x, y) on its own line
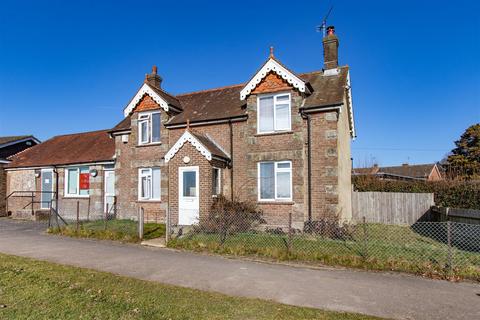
(72, 67)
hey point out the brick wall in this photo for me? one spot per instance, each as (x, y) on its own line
(130, 157)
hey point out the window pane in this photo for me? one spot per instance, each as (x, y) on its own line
(283, 165)
(156, 127)
(145, 187)
(266, 114)
(189, 184)
(72, 181)
(267, 181)
(282, 117)
(156, 183)
(84, 181)
(283, 185)
(144, 132)
(283, 99)
(216, 181)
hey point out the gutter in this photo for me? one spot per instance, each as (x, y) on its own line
(194, 124)
(231, 158)
(309, 163)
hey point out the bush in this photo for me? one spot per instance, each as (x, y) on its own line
(228, 217)
(329, 228)
(454, 194)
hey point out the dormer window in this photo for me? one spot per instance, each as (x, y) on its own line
(149, 128)
(274, 113)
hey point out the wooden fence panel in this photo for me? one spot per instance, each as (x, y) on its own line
(391, 207)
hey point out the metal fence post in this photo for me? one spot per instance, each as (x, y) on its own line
(365, 238)
(167, 227)
(140, 223)
(105, 218)
(78, 216)
(449, 242)
(289, 246)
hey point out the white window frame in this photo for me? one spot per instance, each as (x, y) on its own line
(150, 173)
(275, 96)
(276, 170)
(66, 194)
(218, 181)
(147, 117)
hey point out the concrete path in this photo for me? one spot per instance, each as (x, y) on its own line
(386, 295)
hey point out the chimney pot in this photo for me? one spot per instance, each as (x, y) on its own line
(330, 30)
(154, 70)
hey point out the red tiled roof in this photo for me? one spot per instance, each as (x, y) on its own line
(83, 147)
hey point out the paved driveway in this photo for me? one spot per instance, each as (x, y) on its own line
(387, 295)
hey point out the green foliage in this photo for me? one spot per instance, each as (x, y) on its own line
(464, 162)
(454, 194)
(32, 289)
(228, 217)
(120, 230)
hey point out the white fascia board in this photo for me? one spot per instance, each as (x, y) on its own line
(272, 65)
(187, 136)
(353, 134)
(145, 89)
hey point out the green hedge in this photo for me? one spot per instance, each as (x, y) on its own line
(454, 194)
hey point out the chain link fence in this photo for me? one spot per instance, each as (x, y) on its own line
(437, 249)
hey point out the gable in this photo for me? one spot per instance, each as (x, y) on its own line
(188, 137)
(273, 66)
(272, 83)
(145, 90)
(146, 103)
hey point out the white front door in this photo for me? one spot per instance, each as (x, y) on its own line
(109, 191)
(47, 188)
(188, 196)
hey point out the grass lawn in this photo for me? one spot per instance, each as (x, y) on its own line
(394, 248)
(122, 230)
(32, 289)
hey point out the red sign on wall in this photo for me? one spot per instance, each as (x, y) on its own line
(84, 181)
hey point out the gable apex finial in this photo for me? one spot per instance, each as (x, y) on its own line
(271, 52)
(188, 124)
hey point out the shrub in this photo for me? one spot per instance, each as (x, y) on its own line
(329, 228)
(230, 216)
(448, 193)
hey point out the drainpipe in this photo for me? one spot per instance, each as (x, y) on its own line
(230, 125)
(309, 164)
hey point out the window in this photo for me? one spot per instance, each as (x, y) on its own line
(275, 180)
(274, 113)
(149, 184)
(77, 182)
(189, 183)
(149, 128)
(216, 181)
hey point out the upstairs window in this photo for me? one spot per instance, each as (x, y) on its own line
(149, 128)
(274, 113)
(275, 181)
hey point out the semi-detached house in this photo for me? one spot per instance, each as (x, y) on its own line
(281, 139)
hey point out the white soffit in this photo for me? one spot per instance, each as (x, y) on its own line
(145, 89)
(187, 136)
(272, 65)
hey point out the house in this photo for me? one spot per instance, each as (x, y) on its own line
(405, 172)
(281, 139)
(66, 170)
(8, 147)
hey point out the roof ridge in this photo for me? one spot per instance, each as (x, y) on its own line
(211, 89)
(410, 165)
(163, 91)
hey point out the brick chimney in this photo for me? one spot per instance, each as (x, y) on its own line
(330, 49)
(153, 78)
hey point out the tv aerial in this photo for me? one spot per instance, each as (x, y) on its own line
(323, 27)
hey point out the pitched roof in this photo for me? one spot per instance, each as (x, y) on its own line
(419, 171)
(204, 144)
(224, 103)
(123, 125)
(210, 145)
(76, 148)
(10, 139)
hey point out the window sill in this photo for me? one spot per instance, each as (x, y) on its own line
(276, 202)
(275, 133)
(148, 145)
(76, 197)
(149, 201)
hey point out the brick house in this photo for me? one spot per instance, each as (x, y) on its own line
(280, 139)
(10, 146)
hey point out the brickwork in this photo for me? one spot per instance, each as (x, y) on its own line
(271, 83)
(130, 157)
